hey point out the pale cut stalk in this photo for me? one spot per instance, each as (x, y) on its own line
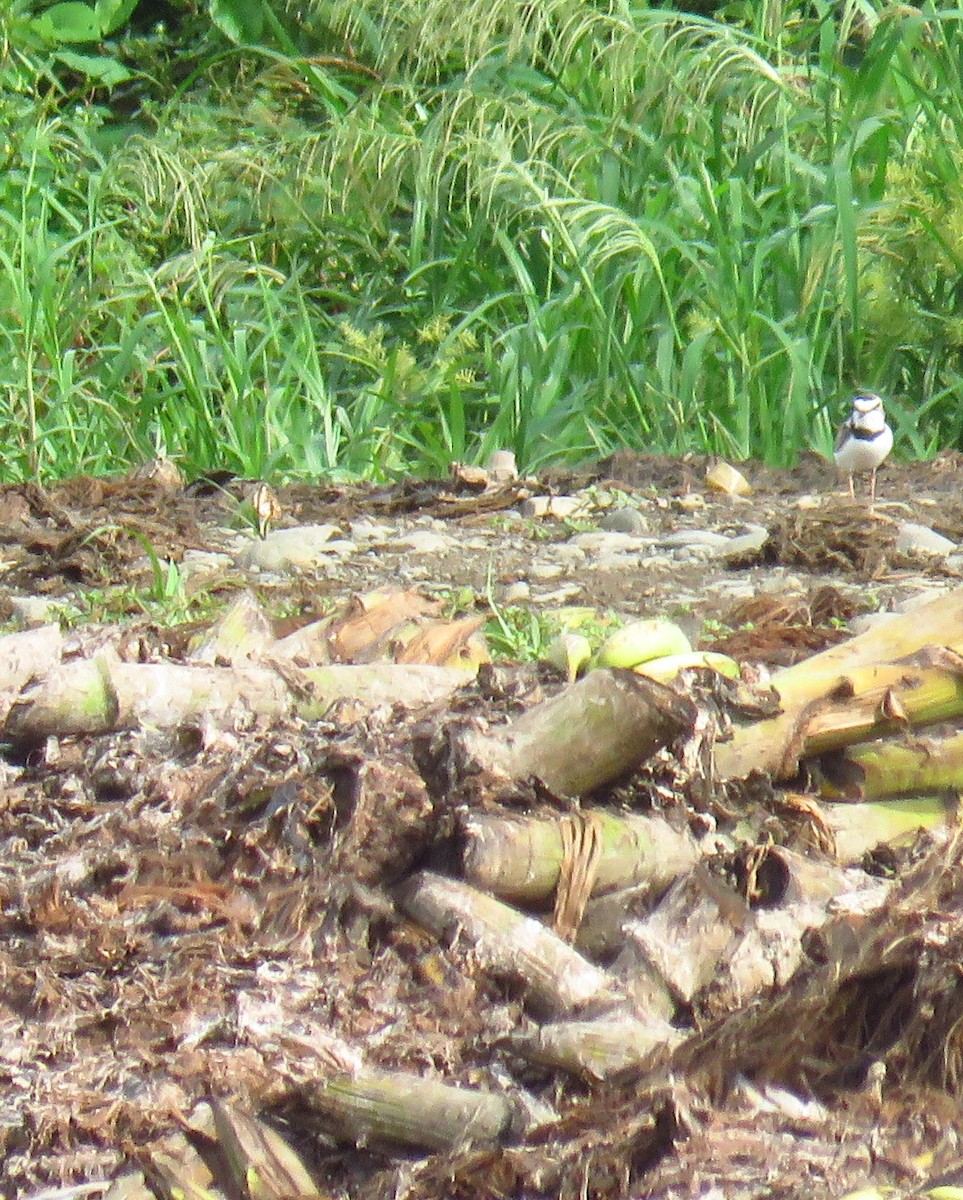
(861, 827)
(557, 980)
(519, 858)
(101, 695)
(593, 732)
(600, 1049)
(881, 769)
(827, 711)
(398, 1108)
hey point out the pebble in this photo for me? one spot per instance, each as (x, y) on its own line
(554, 506)
(598, 541)
(624, 520)
(426, 541)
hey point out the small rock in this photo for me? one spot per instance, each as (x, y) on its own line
(598, 541)
(518, 592)
(691, 502)
(289, 549)
(912, 538)
(502, 467)
(553, 506)
(695, 537)
(724, 477)
(426, 541)
(624, 520)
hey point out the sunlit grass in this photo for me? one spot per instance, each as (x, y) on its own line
(550, 227)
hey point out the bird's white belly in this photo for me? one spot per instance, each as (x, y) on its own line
(860, 455)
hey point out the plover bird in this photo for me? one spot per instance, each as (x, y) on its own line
(864, 441)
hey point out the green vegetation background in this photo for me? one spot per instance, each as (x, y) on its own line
(362, 238)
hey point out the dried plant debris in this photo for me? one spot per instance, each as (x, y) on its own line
(462, 929)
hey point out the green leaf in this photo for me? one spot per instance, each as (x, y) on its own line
(238, 20)
(107, 71)
(111, 14)
(68, 22)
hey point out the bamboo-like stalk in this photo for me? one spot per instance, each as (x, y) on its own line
(557, 979)
(880, 769)
(602, 1048)
(398, 1108)
(519, 858)
(593, 732)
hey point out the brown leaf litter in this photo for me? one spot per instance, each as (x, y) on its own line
(208, 912)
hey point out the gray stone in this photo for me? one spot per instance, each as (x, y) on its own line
(624, 520)
(425, 541)
(598, 541)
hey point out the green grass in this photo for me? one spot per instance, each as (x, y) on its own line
(391, 238)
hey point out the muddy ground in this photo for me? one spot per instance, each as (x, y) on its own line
(198, 911)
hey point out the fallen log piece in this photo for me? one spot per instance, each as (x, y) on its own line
(557, 980)
(101, 695)
(592, 733)
(893, 767)
(827, 712)
(602, 1048)
(520, 858)
(402, 1109)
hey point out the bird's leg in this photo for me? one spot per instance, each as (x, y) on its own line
(852, 490)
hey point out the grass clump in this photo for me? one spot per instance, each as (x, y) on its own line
(369, 240)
